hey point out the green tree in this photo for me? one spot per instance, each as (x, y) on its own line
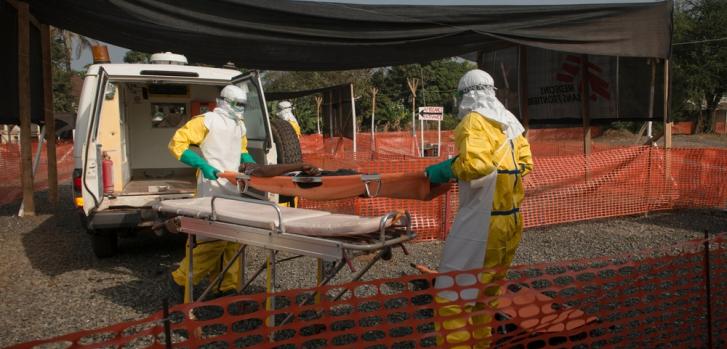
(699, 60)
(63, 101)
(136, 57)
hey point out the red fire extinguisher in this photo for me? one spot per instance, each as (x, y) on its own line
(108, 174)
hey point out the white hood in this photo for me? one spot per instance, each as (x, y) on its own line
(485, 103)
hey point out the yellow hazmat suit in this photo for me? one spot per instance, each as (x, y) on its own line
(490, 169)
(296, 127)
(209, 256)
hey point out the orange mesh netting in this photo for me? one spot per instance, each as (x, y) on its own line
(10, 182)
(608, 183)
(669, 297)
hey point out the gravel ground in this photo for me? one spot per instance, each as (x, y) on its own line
(51, 284)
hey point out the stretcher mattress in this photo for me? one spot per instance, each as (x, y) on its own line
(412, 186)
(295, 220)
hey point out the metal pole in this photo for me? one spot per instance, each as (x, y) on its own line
(439, 138)
(523, 85)
(189, 287)
(167, 325)
(708, 281)
(421, 129)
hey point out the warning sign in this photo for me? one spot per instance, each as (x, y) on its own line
(431, 113)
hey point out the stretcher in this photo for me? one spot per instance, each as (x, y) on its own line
(326, 236)
(413, 186)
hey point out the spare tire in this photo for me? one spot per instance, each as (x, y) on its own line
(286, 142)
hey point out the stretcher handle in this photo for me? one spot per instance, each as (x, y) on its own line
(371, 178)
(275, 206)
(394, 216)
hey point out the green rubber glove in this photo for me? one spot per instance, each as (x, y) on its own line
(193, 159)
(441, 172)
(246, 157)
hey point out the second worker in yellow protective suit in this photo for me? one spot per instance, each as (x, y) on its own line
(285, 112)
(221, 137)
(492, 161)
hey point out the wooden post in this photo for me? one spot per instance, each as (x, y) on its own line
(585, 106)
(319, 101)
(330, 112)
(652, 95)
(667, 123)
(374, 92)
(26, 157)
(523, 86)
(413, 88)
(354, 123)
(50, 123)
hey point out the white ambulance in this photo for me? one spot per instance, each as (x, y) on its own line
(127, 116)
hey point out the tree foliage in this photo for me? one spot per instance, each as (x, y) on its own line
(63, 100)
(393, 101)
(699, 59)
(136, 57)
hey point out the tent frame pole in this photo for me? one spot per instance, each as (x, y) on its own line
(523, 86)
(26, 156)
(50, 123)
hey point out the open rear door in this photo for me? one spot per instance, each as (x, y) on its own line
(91, 157)
(257, 122)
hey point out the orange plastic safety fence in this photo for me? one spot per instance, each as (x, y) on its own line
(608, 183)
(10, 181)
(658, 298)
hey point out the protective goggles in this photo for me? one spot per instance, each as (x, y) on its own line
(237, 107)
(480, 87)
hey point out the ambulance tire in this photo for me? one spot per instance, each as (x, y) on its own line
(286, 142)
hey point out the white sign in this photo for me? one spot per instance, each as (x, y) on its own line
(431, 113)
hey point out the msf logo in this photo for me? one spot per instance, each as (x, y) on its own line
(571, 70)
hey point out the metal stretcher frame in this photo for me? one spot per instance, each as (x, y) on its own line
(394, 229)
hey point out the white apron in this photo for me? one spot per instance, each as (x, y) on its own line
(221, 149)
(466, 243)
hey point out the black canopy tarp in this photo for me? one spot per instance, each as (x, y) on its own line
(313, 35)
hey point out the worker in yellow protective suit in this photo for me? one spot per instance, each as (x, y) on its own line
(492, 161)
(216, 133)
(285, 112)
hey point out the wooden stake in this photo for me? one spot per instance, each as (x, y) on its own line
(319, 101)
(26, 157)
(50, 122)
(374, 92)
(667, 123)
(585, 106)
(413, 83)
(330, 112)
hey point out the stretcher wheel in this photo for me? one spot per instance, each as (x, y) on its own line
(286, 142)
(386, 254)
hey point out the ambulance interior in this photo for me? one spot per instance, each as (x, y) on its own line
(137, 121)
